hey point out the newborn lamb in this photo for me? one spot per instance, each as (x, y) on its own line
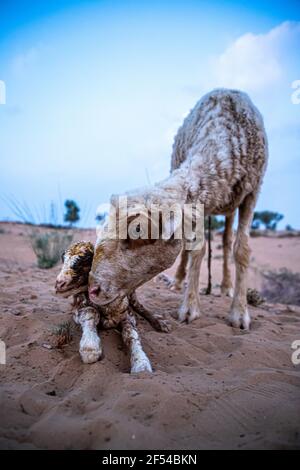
(73, 281)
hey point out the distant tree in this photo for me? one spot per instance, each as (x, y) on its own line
(72, 212)
(255, 221)
(267, 218)
(289, 228)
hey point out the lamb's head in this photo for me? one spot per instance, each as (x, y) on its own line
(122, 265)
(77, 263)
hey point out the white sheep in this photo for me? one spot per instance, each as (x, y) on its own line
(219, 159)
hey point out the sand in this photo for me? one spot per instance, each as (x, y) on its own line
(212, 386)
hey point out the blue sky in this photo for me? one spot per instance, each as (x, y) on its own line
(95, 92)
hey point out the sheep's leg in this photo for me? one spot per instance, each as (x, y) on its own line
(227, 286)
(156, 321)
(138, 360)
(90, 347)
(176, 282)
(190, 308)
(239, 316)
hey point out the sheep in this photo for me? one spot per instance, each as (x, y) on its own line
(219, 159)
(73, 281)
(176, 283)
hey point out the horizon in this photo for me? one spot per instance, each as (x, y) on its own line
(95, 92)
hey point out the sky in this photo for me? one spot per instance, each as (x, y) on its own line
(96, 90)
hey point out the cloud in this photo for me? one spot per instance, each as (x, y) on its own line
(254, 62)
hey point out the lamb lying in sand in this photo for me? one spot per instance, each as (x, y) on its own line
(73, 281)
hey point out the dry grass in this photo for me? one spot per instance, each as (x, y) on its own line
(63, 333)
(254, 298)
(282, 287)
(48, 246)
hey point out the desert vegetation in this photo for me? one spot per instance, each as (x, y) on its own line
(48, 246)
(266, 218)
(72, 212)
(282, 286)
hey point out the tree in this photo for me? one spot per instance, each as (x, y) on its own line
(267, 218)
(72, 212)
(255, 221)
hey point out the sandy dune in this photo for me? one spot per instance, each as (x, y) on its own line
(213, 386)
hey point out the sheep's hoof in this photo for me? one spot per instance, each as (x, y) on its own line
(188, 313)
(142, 364)
(90, 350)
(240, 320)
(159, 324)
(89, 357)
(228, 291)
(170, 282)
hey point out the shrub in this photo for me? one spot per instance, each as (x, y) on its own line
(48, 247)
(282, 287)
(63, 334)
(254, 298)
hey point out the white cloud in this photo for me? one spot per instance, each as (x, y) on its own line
(255, 61)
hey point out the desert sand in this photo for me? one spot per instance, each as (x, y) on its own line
(212, 386)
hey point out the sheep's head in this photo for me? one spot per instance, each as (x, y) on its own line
(122, 265)
(77, 263)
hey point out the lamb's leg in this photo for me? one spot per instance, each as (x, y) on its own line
(156, 321)
(227, 286)
(190, 308)
(239, 316)
(90, 348)
(138, 359)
